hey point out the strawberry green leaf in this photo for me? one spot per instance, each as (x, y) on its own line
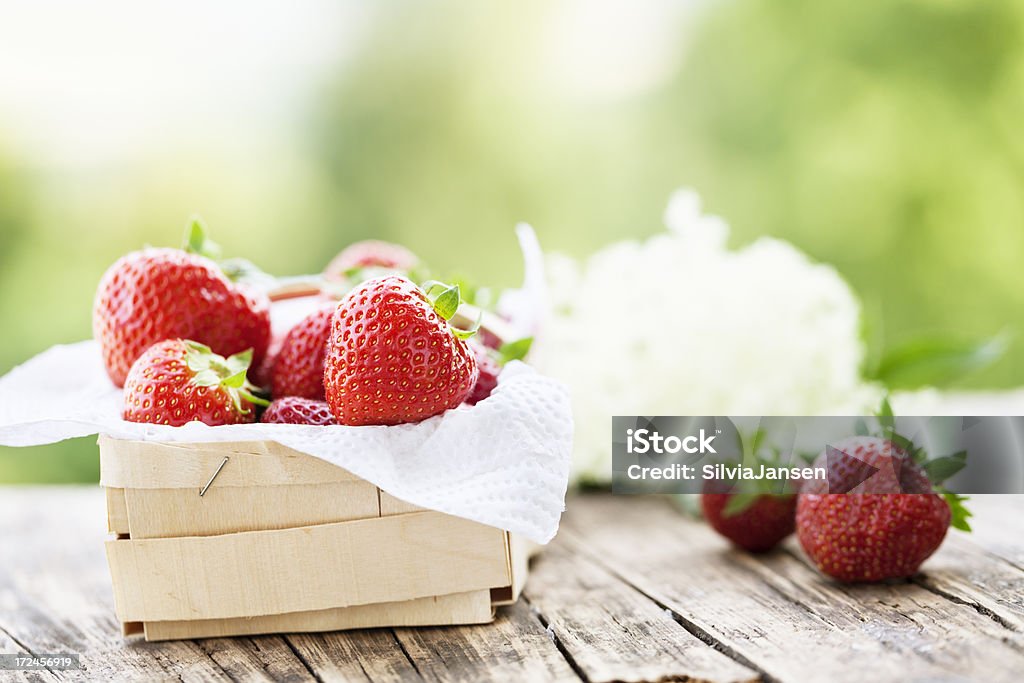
(247, 392)
(959, 513)
(466, 334)
(941, 469)
(860, 427)
(902, 442)
(447, 302)
(197, 241)
(235, 381)
(206, 378)
(239, 362)
(885, 417)
(739, 502)
(429, 286)
(514, 350)
(936, 362)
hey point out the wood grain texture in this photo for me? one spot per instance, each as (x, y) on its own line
(782, 616)
(630, 590)
(172, 513)
(473, 607)
(384, 559)
(141, 465)
(612, 632)
(516, 647)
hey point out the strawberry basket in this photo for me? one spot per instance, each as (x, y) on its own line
(372, 467)
(280, 541)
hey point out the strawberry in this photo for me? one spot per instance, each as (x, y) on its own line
(393, 357)
(179, 381)
(487, 378)
(871, 536)
(756, 525)
(156, 294)
(262, 374)
(370, 254)
(490, 362)
(298, 411)
(299, 366)
(877, 516)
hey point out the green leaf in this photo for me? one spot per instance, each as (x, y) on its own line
(936, 362)
(466, 334)
(447, 302)
(197, 242)
(941, 469)
(429, 286)
(239, 362)
(959, 513)
(207, 378)
(235, 381)
(886, 420)
(739, 502)
(902, 442)
(247, 392)
(514, 350)
(860, 427)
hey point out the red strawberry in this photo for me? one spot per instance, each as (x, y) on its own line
(868, 464)
(488, 375)
(178, 381)
(392, 356)
(490, 363)
(299, 367)
(871, 536)
(298, 411)
(156, 294)
(758, 526)
(370, 254)
(262, 374)
(876, 516)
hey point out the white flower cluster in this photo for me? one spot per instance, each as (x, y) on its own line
(682, 325)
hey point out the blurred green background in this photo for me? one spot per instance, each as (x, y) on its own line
(882, 137)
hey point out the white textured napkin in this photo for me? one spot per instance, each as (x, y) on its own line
(503, 462)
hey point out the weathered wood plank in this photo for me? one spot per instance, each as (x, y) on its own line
(780, 614)
(55, 593)
(370, 656)
(613, 633)
(963, 572)
(9, 645)
(257, 659)
(516, 647)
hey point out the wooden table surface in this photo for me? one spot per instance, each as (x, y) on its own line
(630, 590)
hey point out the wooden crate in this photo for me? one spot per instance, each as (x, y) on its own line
(282, 542)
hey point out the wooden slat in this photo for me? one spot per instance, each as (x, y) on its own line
(806, 627)
(140, 465)
(389, 505)
(614, 633)
(516, 647)
(331, 565)
(172, 513)
(458, 608)
(117, 512)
